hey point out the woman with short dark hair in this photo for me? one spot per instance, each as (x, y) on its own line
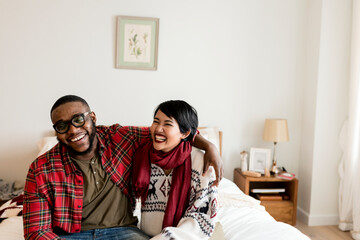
(177, 201)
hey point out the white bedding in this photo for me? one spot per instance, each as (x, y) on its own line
(241, 217)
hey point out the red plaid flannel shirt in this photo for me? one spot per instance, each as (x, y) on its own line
(53, 196)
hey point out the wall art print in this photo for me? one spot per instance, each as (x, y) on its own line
(137, 42)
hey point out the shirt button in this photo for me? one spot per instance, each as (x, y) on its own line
(79, 206)
(77, 230)
(79, 181)
(94, 172)
(97, 182)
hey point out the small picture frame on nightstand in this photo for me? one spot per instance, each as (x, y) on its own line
(260, 158)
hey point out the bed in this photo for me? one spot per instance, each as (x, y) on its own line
(240, 216)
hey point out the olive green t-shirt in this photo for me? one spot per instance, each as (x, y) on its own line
(104, 205)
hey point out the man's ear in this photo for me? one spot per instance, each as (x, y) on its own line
(93, 117)
(186, 134)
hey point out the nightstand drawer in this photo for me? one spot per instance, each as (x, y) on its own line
(280, 210)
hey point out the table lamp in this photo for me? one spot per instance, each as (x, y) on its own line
(275, 130)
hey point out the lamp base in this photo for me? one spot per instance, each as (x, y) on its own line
(274, 168)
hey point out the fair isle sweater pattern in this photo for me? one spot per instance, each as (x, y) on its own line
(199, 219)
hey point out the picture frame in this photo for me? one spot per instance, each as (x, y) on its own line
(260, 158)
(137, 42)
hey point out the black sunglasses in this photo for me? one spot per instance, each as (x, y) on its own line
(77, 121)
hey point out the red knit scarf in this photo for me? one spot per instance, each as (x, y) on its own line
(178, 159)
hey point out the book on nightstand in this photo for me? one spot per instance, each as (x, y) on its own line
(269, 197)
(286, 176)
(268, 190)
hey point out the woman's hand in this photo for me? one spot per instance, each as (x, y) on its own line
(211, 157)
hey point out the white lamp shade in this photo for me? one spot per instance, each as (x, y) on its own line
(276, 130)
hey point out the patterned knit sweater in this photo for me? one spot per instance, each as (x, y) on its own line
(198, 221)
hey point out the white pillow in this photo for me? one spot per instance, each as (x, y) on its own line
(46, 144)
(12, 229)
(211, 134)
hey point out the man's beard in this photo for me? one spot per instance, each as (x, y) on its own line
(91, 139)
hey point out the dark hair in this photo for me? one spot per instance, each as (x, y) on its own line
(67, 99)
(183, 113)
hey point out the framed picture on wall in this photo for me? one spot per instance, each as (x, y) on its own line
(137, 42)
(260, 158)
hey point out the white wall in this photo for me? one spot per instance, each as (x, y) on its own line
(331, 106)
(236, 61)
(309, 107)
(325, 109)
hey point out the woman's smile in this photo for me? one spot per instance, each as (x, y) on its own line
(165, 132)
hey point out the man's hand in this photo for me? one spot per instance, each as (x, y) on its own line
(211, 157)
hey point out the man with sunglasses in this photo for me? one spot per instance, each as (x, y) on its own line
(80, 188)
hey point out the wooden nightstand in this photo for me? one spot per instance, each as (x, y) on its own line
(283, 210)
